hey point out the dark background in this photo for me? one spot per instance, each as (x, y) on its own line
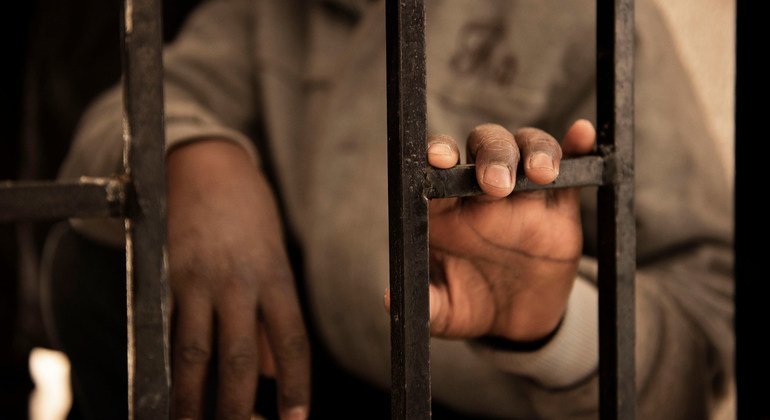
(57, 56)
(752, 288)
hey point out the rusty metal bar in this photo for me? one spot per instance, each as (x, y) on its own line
(408, 210)
(85, 198)
(617, 231)
(411, 183)
(144, 159)
(460, 181)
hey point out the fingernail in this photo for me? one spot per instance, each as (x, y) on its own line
(497, 176)
(540, 160)
(439, 149)
(297, 413)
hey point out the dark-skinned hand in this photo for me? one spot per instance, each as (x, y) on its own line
(232, 286)
(503, 263)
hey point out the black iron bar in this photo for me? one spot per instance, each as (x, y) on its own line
(408, 210)
(85, 198)
(617, 231)
(105, 197)
(460, 181)
(146, 278)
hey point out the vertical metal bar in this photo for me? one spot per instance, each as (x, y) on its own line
(146, 280)
(617, 232)
(408, 210)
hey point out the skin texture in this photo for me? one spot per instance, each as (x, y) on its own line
(501, 264)
(504, 264)
(230, 278)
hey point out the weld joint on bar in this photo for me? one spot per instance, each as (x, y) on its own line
(116, 194)
(114, 190)
(616, 169)
(611, 172)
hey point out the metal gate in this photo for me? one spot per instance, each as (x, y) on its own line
(138, 196)
(412, 184)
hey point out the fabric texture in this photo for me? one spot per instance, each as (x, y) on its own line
(310, 77)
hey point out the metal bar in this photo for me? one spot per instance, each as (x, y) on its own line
(460, 181)
(408, 210)
(85, 198)
(617, 232)
(146, 278)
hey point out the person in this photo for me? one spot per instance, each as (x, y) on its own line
(297, 89)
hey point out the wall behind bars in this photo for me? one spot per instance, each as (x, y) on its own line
(704, 32)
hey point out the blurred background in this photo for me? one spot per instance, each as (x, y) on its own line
(60, 55)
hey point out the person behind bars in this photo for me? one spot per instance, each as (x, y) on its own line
(295, 90)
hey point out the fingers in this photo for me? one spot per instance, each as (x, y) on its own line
(439, 309)
(442, 151)
(238, 363)
(266, 359)
(496, 154)
(541, 154)
(580, 138)
(191, 355)
(291, 351)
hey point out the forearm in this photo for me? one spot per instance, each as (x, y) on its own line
(683, 363)
(208, 94)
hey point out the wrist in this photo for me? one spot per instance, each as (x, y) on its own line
(567, 357)
(498, 343)
(533, 315)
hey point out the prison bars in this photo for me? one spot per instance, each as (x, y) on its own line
(411, 184)
(139, 196)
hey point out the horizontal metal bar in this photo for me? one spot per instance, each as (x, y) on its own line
(87, 197)
(460, 181)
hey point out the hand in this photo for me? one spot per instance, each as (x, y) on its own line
(228, 267)
(503, 264)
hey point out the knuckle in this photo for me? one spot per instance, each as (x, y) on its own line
(194, 354)
(240, 362)
(496, 150)
(483, 129)
(293, 348)
(484, 133)
(544, 143)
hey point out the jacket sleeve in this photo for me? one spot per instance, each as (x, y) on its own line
(684, 286)
(209, 89)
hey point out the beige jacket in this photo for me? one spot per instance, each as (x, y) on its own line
(305, 79)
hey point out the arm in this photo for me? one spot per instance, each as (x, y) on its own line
(209, 93)
(684, 286)
(232, 287)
